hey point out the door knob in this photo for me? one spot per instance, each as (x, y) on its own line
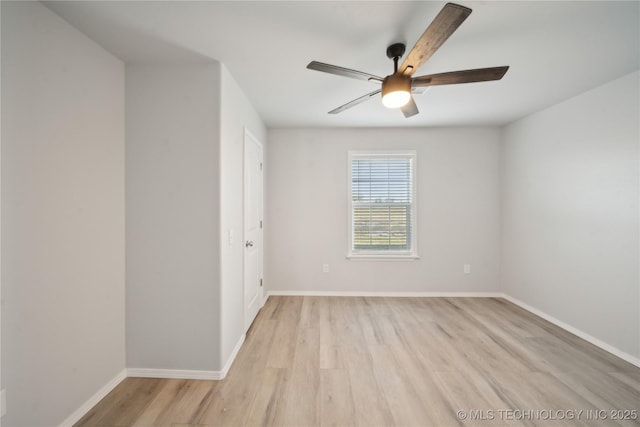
(248, 244)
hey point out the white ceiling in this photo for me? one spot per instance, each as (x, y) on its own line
(555, 49)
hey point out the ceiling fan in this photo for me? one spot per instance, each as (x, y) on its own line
(397, 87)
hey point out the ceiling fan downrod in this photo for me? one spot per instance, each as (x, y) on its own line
(395, 52)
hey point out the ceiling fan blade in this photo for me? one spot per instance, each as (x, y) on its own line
(340, 71)
(445, 24)
(355, 102)
(410, 108)
(465, 76)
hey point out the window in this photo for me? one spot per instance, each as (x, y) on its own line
(382, 204)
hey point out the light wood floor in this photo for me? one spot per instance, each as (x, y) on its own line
(320, 361)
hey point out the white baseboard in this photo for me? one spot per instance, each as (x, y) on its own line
(186, 374)
(179, 374)
(93, 400)
(234, 353)
(575, 331)
(387, 294)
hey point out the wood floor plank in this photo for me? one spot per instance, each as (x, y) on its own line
(441, 411)
(303, 391)
(487, 352)
(631, 378)
(370, 320)
(368, 361)
(284, 314)
(437, 349)
(108, 403)
(344, 327)
(177, 402)
(131, 405)
(310, 312)
(267, 408)
(405, 404)
(474, 396)
(370, 404)
(282, 349)
(332, 357)
(596, 387)
(511, 342)
(336, 401)
(192, 400)
(168, 395)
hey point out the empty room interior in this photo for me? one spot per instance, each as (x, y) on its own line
(314, 213)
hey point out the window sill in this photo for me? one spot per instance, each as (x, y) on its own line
(382, 257)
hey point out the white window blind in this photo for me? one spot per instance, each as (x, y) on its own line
(382, 203)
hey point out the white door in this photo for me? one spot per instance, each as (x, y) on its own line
(253, 249)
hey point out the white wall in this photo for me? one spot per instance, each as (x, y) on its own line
(236, 114)
(1, 383)
(63, 216)
(570, 190)
(172, 196)
(458, 211)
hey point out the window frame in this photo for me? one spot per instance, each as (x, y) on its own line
(409, 255)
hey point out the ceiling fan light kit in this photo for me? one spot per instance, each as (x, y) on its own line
(396, 88)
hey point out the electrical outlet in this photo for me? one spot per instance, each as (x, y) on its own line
(3, 402)
(467, 269)
(325, 268)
